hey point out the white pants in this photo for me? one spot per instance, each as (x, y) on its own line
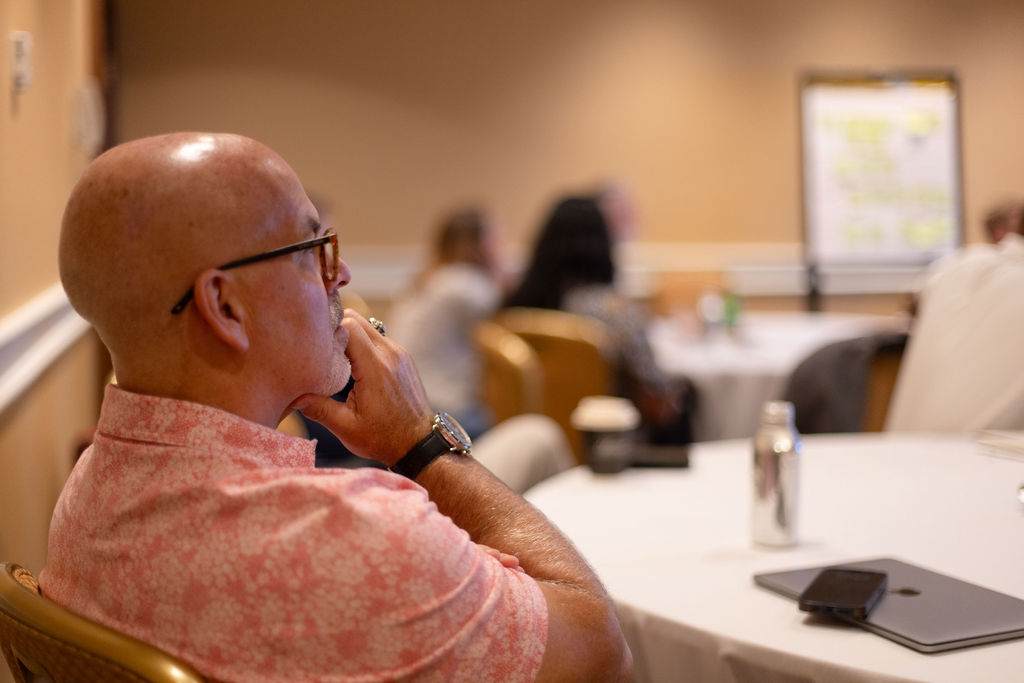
(524, 450)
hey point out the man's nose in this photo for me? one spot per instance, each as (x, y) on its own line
(343, 277)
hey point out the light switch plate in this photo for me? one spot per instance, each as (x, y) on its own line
(21, 62)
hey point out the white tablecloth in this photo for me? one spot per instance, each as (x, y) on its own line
(673, 548)
(735, 374)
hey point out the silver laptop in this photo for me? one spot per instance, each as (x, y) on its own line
(922, 609)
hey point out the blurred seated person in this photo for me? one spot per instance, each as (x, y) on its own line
(193, 524)
(460, 287)
(1003, 219)
(434, 320)
(958, 373)
(619, 210)
(572, 269)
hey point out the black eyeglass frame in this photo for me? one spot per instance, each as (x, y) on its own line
(329, 271)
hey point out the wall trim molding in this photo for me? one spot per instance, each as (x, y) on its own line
(382, 272)
(32, 338)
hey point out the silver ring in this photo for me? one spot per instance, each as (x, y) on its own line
(379, 326)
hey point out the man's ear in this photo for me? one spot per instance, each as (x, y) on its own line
(219, 303)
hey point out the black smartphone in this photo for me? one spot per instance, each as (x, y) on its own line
(847, 592)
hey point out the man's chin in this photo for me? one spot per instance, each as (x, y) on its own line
(340, 380)
(342, 394)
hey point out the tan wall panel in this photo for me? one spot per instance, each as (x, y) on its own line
(39, 162)
(37, 441)
(396, 110)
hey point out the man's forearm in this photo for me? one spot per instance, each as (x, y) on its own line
(584, 638)
(496, 516)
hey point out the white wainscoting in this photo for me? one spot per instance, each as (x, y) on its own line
(32, 338)
(36, 334)
(748, 268)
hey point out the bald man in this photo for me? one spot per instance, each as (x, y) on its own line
(193, 524)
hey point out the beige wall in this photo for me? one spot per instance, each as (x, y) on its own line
(397, 109)
(37, 439)
(39, 162)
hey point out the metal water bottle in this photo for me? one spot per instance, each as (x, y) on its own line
(777, 448)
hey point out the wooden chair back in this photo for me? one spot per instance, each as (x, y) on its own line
(512, 376)
(885, 366)
(574, 353)
(42, 641)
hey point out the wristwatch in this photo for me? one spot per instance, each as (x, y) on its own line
(446, 436)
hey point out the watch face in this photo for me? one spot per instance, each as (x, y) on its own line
(453, 432)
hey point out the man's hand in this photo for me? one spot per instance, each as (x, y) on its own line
(387, 411)
(385, 414)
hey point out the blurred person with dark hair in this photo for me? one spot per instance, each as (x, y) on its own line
(572, 269)
(573, 250)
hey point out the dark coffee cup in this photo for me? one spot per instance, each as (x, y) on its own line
(608, 426)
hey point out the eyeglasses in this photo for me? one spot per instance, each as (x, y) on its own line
(329, 262)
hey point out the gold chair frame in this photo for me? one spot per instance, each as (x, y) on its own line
(512, 377)
(43, 641)
(574, 351)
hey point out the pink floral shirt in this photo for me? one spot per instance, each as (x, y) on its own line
(215, 539)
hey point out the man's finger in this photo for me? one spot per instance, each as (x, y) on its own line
(337, 417)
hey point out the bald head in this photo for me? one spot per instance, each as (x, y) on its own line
(149, 215)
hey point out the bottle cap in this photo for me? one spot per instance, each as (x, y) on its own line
(777, 412)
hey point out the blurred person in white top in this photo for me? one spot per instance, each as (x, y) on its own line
(999, 221)
(959, 371)
(462, 285)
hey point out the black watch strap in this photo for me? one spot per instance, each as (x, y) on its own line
(422, 454)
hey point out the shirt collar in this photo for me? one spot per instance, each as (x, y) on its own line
(160, 420)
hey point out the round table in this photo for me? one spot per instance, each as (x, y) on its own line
(735, 373)
(673, 547)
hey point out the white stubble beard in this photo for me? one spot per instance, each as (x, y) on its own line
(342, 368)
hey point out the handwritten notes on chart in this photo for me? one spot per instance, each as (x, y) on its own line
(881, 170)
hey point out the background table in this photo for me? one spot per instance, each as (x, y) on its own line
(736, 373)
(673, 548)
